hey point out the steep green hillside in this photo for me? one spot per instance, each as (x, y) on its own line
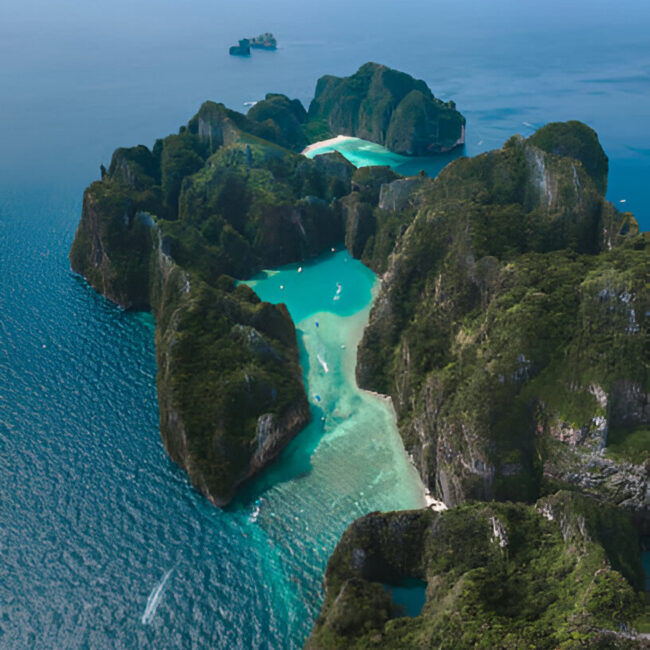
(387, 107)
(167, 230)
(562, 574)
(510, 329)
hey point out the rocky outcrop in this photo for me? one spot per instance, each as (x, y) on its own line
(216, 126)
(400, 194)
(229, 403)
(360, 224)
(510, 311)
(575, 140)
(113, 243)
(166, 230)
(376, 212)
(496, 575)
(387, 107)
(230, 386)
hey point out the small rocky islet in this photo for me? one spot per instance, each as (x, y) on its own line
(264, 41)
(509, 332)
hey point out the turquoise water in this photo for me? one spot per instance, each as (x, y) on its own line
(350, 459)
(411, 594)
(363, 153)
(94, 516)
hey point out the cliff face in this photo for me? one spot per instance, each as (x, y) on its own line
(387, 107)
(561, 574)
(167, 230)
(229, 380)
(112, 245)
(509, 331)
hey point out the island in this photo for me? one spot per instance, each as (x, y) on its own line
(171, 228)
(242, 49)
(264, 41)
(563, 572)
(509, 332)
(388, 107)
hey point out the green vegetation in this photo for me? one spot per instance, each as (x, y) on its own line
(510, 332)
(167, 230)
(117, 216)
(282, 120)
(631, 445)
(224, 197)
(233, 359)
(506, 322)
(575, 140)
(387, 107)
(562, 574)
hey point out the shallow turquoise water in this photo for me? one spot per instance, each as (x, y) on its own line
(363, 154)
(94, 515)
(350, 458)
(411, 594)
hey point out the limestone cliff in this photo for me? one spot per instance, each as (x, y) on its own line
(510, 330)
(166, 230)
(561, 574)
(229, 382)
(388, 107)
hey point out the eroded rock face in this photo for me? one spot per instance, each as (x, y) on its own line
(229, 382)
(400, 194)
(562, 556)
(113, 244)
(360, 224)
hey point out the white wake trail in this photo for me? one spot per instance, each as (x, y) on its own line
(154, 598)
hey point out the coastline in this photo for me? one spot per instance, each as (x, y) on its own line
(326, 143)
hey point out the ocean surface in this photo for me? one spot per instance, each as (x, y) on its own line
(103, 543)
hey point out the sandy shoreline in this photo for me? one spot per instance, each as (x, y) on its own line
(326, 143)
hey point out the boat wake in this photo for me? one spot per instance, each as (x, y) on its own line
(323, 363)
(154, 598)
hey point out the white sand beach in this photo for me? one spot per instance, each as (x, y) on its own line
(326, 143)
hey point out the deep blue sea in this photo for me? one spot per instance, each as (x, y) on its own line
(93, 515)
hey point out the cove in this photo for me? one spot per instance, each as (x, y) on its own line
(350, 459)
(363, 153)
